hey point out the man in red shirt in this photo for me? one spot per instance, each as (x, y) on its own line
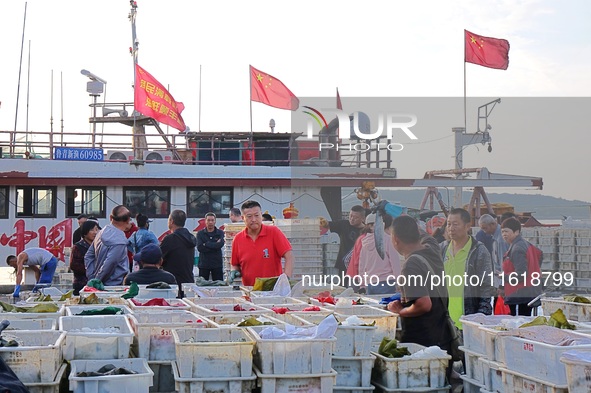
(258, 249)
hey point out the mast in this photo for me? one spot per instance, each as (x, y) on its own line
(139, 142)
(51, 105)
(18, 89)
(28, 91)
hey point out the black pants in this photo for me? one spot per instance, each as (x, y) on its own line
(520, 309)
(216, 274)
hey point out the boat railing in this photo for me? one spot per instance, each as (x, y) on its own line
(184, 148)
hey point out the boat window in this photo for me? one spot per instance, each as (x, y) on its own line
(3, 202)
(86, 200)
(151, 201)
(201, 201)
(36, 202)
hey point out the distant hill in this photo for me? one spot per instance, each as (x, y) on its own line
(543, 207)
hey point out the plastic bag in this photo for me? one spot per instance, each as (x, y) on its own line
(501, 308)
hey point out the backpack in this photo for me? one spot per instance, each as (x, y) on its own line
(534, 258)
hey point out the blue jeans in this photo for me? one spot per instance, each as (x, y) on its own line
(47, 271)
(380, 289)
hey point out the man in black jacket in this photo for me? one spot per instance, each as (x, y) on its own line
(210, 242)
(178, 250)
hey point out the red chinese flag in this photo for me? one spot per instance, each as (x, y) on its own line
(153, 100)
(486, 51)
(271, 91)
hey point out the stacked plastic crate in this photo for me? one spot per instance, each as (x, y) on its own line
(482, 347)
(154, 341)
(215, 359)
(230, 230)
(95, 342)
(37, 360)
(351, 357)
(304, 236)
(407, 374)
(567, 261)
(583, 253)
(547, 241)
(292, 365)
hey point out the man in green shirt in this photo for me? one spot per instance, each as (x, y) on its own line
(468, 267)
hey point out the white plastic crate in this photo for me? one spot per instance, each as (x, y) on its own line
(47, 387)
(353, 371)
(539, 360)
(154, 332)
(231, 320)
(291, 356)
(163, 380)
(192, 290)
(114, 291)
(493, 377)
(205, 301)
(175, 304)
(400, 373)
(128, 383)
(385, 321)
(38, 359)
(474, 336)
(518, 383)
(270, 301)
(352, 389)
(493, 344)
(88, 337)
(32, 315)
(349, 301)
(72, 311)
(473, 366)
(151, 293)
(351, 340)
(215, 352)
(289, 383)
(32, 324)
(382, 389)
(578, 370)
(212, 385)
(249, 309)
(471, 385)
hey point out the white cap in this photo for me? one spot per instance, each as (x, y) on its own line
(370, 219)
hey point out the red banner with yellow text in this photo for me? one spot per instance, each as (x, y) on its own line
(153, 100)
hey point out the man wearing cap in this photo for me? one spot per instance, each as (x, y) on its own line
(77, 236)
(150, 260)
(142, 237)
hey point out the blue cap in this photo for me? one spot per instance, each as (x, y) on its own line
(150, 254)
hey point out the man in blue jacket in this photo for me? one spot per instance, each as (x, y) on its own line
(106, 259)
(210, 242)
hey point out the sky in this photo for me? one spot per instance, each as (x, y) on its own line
(367, 49)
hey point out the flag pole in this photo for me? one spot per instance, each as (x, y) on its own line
(250, 141)
(199, 129)
(465, 121)
(250, 84)
(465, 117)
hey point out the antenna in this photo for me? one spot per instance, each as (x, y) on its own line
(51, 105)
(28, 90)
(62, 103)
